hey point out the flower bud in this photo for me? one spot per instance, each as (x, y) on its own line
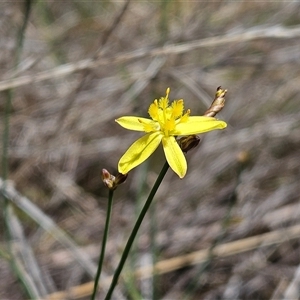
(111, 181)
(187, 143)
(120, 178)
(217, 104)
(108, 179)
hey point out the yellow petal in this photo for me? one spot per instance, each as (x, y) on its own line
(133, 123)
(177, 108)
(153, 110)
(196, 125)
(175, 156)
(139, 151)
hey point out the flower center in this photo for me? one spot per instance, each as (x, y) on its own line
(166, 116)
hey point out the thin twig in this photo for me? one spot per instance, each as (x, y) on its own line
(49, 225)
(293, 290)
(108, 32)
(23, 261)
(278, 32)
(24, 257)
(197, 257)
(70, 99)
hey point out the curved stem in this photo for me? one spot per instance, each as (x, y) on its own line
(135, 230)
(104, 239)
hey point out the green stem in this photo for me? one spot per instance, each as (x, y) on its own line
(104, 239)
(135, 230)
(154, 250)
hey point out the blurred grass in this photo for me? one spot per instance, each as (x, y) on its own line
(62, 133)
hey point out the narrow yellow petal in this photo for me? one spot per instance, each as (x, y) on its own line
(133, 123)
(139, 151)
(196, 125)
(175, 156)
(177, 108)
(153, 110)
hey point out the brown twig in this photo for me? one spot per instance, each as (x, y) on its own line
(70, 99)
(197, 257)
(89, 63)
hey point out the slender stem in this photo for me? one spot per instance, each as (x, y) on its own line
(135, 230)
(104, 239)
(154, 250)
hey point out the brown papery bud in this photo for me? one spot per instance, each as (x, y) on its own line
(111, 181)
(108, 179)
(188, 143)
(120, 178)
(217, 104)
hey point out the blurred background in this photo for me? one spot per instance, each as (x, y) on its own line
(230, 229)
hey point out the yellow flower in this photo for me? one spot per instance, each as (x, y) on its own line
(167, 121)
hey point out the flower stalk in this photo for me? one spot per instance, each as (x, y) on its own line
(111, 182)
(135, 230)
(104, 240)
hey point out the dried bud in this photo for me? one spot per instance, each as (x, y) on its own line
(108, 179)
(187, 143)
(111, 181)
(217, 104)
(120, 178)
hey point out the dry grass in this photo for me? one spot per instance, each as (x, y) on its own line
(230, 228)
